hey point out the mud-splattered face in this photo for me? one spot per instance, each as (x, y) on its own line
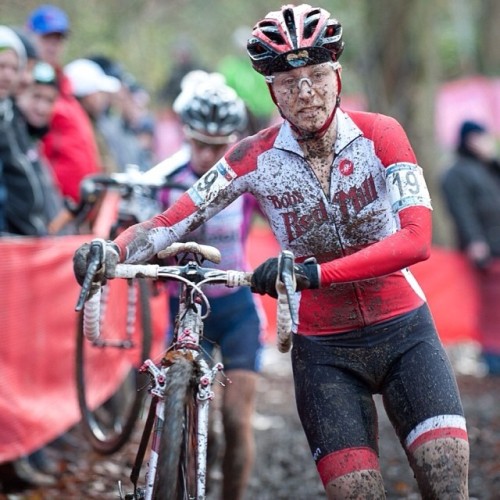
(306, 96)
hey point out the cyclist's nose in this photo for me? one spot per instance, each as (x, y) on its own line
(308, 87)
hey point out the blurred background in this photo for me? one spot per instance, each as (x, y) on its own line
(430, 64)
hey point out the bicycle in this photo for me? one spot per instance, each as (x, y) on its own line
(181, 382)
(108, 419)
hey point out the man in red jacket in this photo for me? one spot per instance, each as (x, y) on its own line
(70, 146)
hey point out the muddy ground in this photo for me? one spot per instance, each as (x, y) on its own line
(284, 469)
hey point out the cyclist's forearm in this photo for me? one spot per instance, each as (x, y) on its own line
(143, 241)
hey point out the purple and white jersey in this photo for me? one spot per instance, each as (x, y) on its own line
(227, 231)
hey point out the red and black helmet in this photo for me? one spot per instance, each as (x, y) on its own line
(293, 37)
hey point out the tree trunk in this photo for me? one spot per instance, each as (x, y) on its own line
(488, 46)
(401, 73)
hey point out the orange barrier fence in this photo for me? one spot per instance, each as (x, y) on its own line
(38, 332)
(38, 328)
(451, 290)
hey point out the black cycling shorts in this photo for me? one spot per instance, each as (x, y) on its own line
(336, 377)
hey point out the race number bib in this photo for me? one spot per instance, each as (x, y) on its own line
(406, 186)
(204, 191)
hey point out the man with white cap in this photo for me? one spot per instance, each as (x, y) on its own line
(70, 146)
(88, 78)
(93, 88)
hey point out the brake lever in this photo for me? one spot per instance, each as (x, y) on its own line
(286, 275)
(96, 260)
(287, 315)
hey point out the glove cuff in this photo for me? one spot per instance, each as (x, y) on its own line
(113, 247)
(313, 272)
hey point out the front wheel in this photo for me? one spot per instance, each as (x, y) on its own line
(176, 475)
(107, 377)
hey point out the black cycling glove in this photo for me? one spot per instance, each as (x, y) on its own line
(80, 262)
(264, 277)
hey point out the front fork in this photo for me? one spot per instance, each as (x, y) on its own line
(204, 395)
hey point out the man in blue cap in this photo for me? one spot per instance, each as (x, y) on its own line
(50, 27)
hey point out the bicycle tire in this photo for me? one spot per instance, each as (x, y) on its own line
(176, 474)
(109, 425)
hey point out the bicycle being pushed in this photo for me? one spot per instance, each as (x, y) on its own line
(181, 383)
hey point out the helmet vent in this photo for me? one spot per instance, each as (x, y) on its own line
(255, 47)
(273, 34)
(311, 23)
(290, 25)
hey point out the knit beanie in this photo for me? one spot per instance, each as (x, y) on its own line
(10, 40)
(469, 127)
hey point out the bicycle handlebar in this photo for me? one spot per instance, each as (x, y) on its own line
(93, 186)
(209, 275)
(193, 275)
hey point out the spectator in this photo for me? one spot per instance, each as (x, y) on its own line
(70, 146)
(471, 189)
(24, 210)
(93, 89)
(168, 136)
(184, 60)
(139, 121)
(36, 103)
(12, 61)
(31, 58)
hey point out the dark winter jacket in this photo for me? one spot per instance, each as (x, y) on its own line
(25, 207)
(471, 189)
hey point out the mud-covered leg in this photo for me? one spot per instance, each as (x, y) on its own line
(441, 468)
(366, 485)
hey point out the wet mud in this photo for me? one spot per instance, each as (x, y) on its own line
(284, 468)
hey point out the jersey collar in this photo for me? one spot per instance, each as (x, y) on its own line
(347, 132)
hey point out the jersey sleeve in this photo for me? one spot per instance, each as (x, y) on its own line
(407, 246)
(409, 199)
(391, 142)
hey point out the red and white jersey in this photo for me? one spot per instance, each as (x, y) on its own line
(374, 222)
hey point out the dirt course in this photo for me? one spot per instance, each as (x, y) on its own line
(284, 468)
